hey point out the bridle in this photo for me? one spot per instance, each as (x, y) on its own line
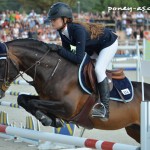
(6, 79)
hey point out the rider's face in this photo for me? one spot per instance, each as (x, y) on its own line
(57, 23)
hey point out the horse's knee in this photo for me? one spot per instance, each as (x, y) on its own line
(25, 98)
(23, 101)
(33, 104)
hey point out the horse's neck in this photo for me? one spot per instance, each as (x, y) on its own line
(51, 70)
(50, 65)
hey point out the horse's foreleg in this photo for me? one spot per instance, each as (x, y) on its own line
(25, 100)
(56, 108)
(46, 107)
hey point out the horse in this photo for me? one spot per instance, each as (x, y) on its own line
(59, 95)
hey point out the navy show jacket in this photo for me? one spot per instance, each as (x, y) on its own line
(80, 38)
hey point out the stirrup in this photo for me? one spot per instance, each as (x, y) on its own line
(100, 111)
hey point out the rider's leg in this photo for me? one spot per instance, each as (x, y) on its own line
(101, 110)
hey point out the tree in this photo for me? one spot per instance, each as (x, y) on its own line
(144, 3)
(85, 5)
(40, 5)
(118, 3)
(7, 4)
(101, 5)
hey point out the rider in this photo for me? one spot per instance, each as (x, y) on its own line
(99, 42)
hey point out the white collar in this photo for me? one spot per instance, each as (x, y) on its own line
(65, 32)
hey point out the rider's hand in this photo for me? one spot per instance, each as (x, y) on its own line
(54, 47)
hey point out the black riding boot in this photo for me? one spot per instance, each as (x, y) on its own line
(101, 108)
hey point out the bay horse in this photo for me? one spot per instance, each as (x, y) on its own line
(59, 95)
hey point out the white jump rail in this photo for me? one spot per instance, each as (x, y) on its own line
(145, 109)
(136, 47)
(70, 140)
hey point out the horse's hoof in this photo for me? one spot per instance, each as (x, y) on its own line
(45, 120)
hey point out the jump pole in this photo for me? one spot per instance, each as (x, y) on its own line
(76, 141)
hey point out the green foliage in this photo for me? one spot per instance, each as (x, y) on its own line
(144, 3)
(40, 5)
(9, 4)
(85, 5)
(100, 5)
(119, 3)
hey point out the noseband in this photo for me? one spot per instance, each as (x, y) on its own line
(5, 80)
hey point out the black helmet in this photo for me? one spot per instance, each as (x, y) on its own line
(59, 10)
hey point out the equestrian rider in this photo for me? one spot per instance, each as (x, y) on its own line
(94, 39)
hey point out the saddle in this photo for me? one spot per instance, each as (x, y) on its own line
(115, 78)
(90, 76)
(91, 81)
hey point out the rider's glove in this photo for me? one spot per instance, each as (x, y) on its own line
(54, 47)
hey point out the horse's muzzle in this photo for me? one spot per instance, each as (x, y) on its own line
(2, 94)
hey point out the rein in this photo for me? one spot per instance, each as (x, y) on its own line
(37, 63)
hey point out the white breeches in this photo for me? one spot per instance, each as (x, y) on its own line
(103, 59)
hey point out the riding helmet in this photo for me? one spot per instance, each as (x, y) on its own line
(59, 10)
